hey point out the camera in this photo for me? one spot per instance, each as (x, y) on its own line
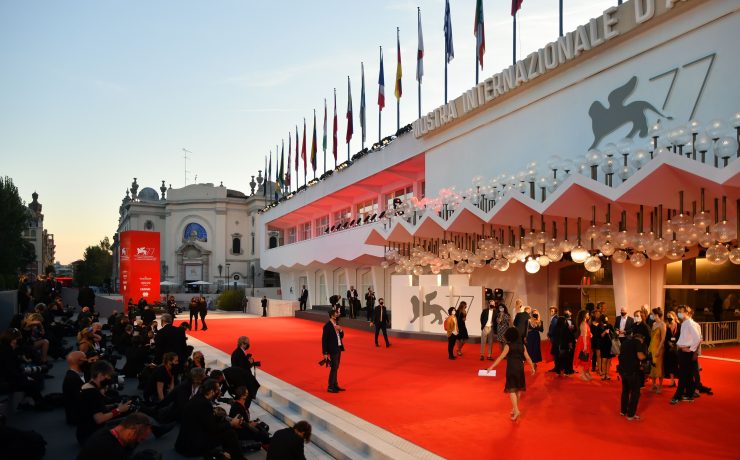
(254, 363)
(325, 362)
(135, 403)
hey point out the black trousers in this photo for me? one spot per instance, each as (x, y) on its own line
(451, 345)
(686, 375)
(202, 321)
(630, 393)
(334, 369)
(381, 327)
(193, 314)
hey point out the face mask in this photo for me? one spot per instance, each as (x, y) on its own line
(681, 316)
(501, 310)
(535, 316)
(651, 316)
(624, 313)
(638, 319)
(567, 315)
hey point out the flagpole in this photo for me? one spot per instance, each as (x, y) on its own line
(380, 109)
(514, 42)
(417, 64)
(446, 79)
(324, 135)
(398, 99)
(561, 18)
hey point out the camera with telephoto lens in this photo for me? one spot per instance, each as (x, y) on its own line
(254, 363)
(325, 362)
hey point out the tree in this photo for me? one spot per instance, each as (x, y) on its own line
(15, 252)
(96, 266)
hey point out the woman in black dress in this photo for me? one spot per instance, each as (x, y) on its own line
(533, 337)
(606, 334)
(670, 356)
(462, 329)
(515, 355)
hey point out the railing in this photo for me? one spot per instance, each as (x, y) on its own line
(715, 333)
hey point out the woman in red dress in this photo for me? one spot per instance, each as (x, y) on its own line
(583, 345)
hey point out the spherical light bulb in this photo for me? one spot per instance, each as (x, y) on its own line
(418, 270)
(532, 266)
(706, 240)
(638, 259)
(723, 232)
(735, 256)
(654, 254)
(544, 261)
(567, 245)
(579, 254)
(619, 256)
(592, 264)
(504, 265)
(622, 239)
(717, 254)
(675, 250)
(607, 248)
(384, 264)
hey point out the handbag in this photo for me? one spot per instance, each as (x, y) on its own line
(646, 365)
(616, 346)
(583, 356)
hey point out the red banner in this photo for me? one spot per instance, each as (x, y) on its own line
(139, 266)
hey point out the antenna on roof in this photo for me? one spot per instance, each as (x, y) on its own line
(185, 158)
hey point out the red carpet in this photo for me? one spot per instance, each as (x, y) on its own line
(414, 391)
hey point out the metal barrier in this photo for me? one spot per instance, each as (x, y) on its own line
(715, 333)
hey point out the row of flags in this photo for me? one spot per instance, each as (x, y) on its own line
(283, 176)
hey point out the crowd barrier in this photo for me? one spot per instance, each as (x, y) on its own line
(720, 332)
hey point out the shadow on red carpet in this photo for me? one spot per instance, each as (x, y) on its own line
(414, 391)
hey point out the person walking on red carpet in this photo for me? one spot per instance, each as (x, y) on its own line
(583, 345)
(332, 346)
(380, 320)
(515, 354)
(451, 329)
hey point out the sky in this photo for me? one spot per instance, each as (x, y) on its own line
(94, 93)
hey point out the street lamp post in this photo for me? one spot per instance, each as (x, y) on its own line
(220, 269)
(227, 274)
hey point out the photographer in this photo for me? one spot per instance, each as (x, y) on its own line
(235, 377)
(13, 375)
(332, 346)
(287, 444)
(202, 430)
(72, 385)
(250, 430)
(92, 410)
(118, 442)
(240, 357)
(162, 380)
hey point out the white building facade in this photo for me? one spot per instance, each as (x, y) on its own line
(616, 128)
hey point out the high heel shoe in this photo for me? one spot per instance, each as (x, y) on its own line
(515, 416)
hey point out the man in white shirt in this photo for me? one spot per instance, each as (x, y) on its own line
(688, 351)
(623, 324)
(486, 329)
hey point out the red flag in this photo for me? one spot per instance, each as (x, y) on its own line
(516, 6)
(303, 148)
(335, 128)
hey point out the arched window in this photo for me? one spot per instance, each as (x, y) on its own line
(236, 246)
(195, 232)
(273, 242)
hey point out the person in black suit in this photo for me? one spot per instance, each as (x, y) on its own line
(521, 322)
(173, 405)
(370, 303)
(193, 310)
(332, 346)
(264, 305)
(203, 311)
(240, 357)
(353, 299)
(202, 430)
(287, 444)
(623, 324)
(73, 381)
(566, 343)
(552, 335)
(170, 339)
(303, 299)
(380, 320)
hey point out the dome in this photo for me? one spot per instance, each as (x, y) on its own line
(148, 194)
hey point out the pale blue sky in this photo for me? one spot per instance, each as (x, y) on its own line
(94, 93)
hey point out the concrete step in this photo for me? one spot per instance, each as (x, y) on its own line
(340, 434)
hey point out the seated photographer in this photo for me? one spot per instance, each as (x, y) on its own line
(173, 405)
(196, 361)
(235, 377)
(287, 444)
(202, 430)
(88, 341)
(240, 357)
(148, 316)
(162, 380)
(118, 442)
(14, 375)
(34, 334)
(137, 355)
(250, 430)
(92, 410)
(72, 385)
(170, 338)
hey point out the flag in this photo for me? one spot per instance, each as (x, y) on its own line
(420, 54)
(335, 128)
(278, 179)
(264, 190)
(324, 140)
(287, 171)
(479, 32)
(282, 165)
(363, 122)
(515, 6)
(399, 90)
(313, 144)
(449, 49)
(303, 148)
(296, 154)
(269, 171)
(381, 84)
(349, 112)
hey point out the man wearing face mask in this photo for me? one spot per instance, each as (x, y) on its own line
(566, 343)
(623, 324)
(552, 335)
(486, 330)
(118, 442)
(332, 346)
(380, 320)
(688, 345)
(92, 412)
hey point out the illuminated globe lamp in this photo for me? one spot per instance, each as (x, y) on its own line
(675, 250)
(638, 259)
(579, 254)
(717, 254)
(532, 266)
(607, 248)
(592, 264)
(735, 256)
(620, 256)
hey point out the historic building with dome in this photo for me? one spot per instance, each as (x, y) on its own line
(207, 233)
